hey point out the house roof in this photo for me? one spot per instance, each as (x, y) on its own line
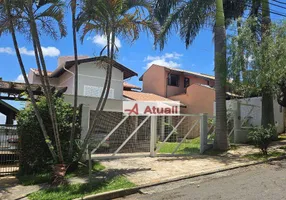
(182, 71)
(5, 107)
(141, 96)
(127, 73)
(36, 72)
(130, 86)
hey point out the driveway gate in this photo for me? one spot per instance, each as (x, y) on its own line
(126, 136)
(9, 151)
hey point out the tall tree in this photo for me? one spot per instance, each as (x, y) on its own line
(113, 18)
(73, 5)
(267, 95)
(221, 137)
(9, 17)
(192, 16)
(31, 16)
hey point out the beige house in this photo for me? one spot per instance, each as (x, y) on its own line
(92, 72)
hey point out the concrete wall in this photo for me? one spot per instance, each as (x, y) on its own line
(111, 104)
(255, 116)
(67, 80)
(93, 74)
(198, 99)
(155, 81)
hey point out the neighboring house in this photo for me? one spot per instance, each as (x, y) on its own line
(194, 90)
(92, 73)
(9, 111)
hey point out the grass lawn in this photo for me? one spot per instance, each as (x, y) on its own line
(46, 177)
(260, 156)
(80, 190)
(187, 147)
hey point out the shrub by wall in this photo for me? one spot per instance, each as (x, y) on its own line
(35, 156)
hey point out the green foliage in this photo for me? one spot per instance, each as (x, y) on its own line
(187, 147)
(82, 170)
(35, 155)
(262, 137)
(34, 179)
(260, 156)
(257, 65)
(80, 190)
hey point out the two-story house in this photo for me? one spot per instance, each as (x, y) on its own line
(91, 78)
(194, 90)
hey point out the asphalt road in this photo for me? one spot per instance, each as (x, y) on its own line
(265, 181)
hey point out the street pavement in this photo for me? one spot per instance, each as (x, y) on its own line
(264, 181)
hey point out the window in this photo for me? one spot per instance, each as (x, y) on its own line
(186, 82)
(208, 82)
(93, 91)
(173, 80)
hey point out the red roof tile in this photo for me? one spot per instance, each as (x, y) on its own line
(130, 86)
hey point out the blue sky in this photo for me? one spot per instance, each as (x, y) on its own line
(199, 57)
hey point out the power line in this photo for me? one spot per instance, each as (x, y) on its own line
(279, 2)
(279, 6)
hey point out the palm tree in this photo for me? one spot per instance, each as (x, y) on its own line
(73, 4)
(8, 19)
(267, 95)
(221, 137)
(45, 16)
(113, 18)
(28, 17)
(192, 16)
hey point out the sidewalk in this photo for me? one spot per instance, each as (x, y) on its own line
(147, 171)
(10, 189)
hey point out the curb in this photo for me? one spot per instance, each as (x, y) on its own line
(125, 192)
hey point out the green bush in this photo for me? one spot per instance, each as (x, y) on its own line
(35, 156)
(261, 137)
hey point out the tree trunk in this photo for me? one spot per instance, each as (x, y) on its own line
(49, 93)
(72, 136)
(221, 137)
(267, 94)
(101, 102)
(33, 101)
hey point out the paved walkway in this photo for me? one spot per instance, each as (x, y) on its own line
(10, 189)
(146, 170)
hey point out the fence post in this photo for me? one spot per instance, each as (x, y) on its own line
(153, 136)
(203, 132)
(85, 117)
(236, 121)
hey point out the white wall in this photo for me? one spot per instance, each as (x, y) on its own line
(93, 74)
(255, 115)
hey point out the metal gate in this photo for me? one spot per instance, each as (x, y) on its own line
(127, 136)
(9, 150)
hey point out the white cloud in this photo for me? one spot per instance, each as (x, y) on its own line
(20, 79)
(2, 119)
(25, 51)
(101, 40)
(7, 50)
(165, 60)
(51, 51)
(47, 51)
